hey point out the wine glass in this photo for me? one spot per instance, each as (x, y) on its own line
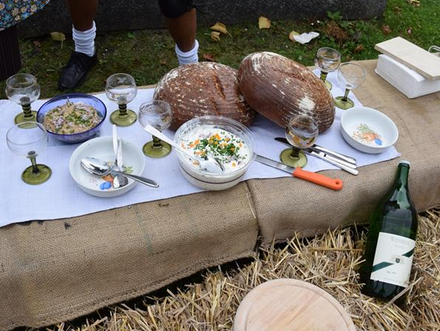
(29, 139)
(328, 60)
(158, 114)
(23, 89)
(353, 75)
(121, 88)
(301, 132)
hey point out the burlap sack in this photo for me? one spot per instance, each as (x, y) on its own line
(57, 270)
(288, 205)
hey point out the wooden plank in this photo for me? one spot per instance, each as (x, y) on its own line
(413, 56)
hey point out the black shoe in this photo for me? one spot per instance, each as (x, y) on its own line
(75, 72)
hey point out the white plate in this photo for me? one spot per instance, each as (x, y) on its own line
(102, 148)
(368, 130)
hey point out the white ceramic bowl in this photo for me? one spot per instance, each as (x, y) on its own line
(368, 130)
(102, 148)
(208, 180)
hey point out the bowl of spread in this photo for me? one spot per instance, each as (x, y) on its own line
(72, 118)
(214, 137)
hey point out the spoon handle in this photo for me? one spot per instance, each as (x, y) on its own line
(140, 179)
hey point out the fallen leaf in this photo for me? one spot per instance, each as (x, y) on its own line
(163, 62)
(359, 48)
(209, 57)
(415, 3)
(386, 29)
(263, 22)
(36, 43)
(220, 27)
(292, 34)
(58, 36)
(215, 36)
(130, 35)
(398, 10)
(333, 30)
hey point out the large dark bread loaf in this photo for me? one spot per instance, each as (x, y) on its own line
(203, 88)
(278, 88)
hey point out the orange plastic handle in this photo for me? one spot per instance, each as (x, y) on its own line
(334, 184)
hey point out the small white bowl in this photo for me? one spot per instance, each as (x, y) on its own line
(102, 148)
(368, 130)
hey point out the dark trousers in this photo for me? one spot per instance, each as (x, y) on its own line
(10, 61)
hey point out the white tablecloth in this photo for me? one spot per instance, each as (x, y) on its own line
(60, 197)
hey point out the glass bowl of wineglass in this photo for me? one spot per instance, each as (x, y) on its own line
(328, 60)
(352, 75)
(23, 89)
(29, 139)
(158, 114)
(121, 88)
(301, 132)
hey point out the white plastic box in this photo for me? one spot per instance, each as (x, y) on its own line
(406, 80)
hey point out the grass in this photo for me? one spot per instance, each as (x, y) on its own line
(149, 54)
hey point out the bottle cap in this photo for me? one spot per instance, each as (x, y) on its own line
(405, 162)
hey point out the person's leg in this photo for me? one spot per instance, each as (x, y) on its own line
(181, 21)
(82, 13)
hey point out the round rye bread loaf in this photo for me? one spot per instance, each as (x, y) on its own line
(203, 88)
(279, 88)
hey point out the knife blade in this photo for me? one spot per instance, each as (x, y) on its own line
(348, 167)
(315, 147)
(334, 184)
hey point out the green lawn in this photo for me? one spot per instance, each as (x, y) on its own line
(149, 54)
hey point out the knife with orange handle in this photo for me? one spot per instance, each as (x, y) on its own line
(334, 184)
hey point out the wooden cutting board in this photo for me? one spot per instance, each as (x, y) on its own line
(420, 60)
(291, 305)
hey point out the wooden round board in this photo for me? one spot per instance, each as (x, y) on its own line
(291, 305)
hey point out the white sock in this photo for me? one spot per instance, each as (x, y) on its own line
(85, 40)
(188, 57)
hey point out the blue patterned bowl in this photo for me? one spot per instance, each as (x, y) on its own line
(74, 97)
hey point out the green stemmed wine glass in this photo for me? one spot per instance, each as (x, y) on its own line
(158, 114)
(121, 88)
(301, 132)
(353, 75)
(328, 60)
(29, 139)
(23, 89)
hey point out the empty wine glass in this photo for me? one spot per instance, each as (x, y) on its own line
(301, 132)
(23, 89)
(328, 60)
(158, 114)
(121, 88)
(352, 75)
(29, 139)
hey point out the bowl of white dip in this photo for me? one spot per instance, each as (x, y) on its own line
(226, 140)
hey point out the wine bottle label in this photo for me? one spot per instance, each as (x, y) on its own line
(393, 259)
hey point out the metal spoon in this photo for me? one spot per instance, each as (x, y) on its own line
(212, 164)
(100, 168)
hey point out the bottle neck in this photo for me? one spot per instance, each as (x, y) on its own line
(400, 188)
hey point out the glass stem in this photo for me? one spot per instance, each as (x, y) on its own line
(323, 76)
(157, 143)
(27, 111)
(122, 109)
(345, 97)
(35, 169)
(295, 153)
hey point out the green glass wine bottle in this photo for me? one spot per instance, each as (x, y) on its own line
(391, 239)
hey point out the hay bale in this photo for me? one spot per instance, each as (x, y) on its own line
(329, 261)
